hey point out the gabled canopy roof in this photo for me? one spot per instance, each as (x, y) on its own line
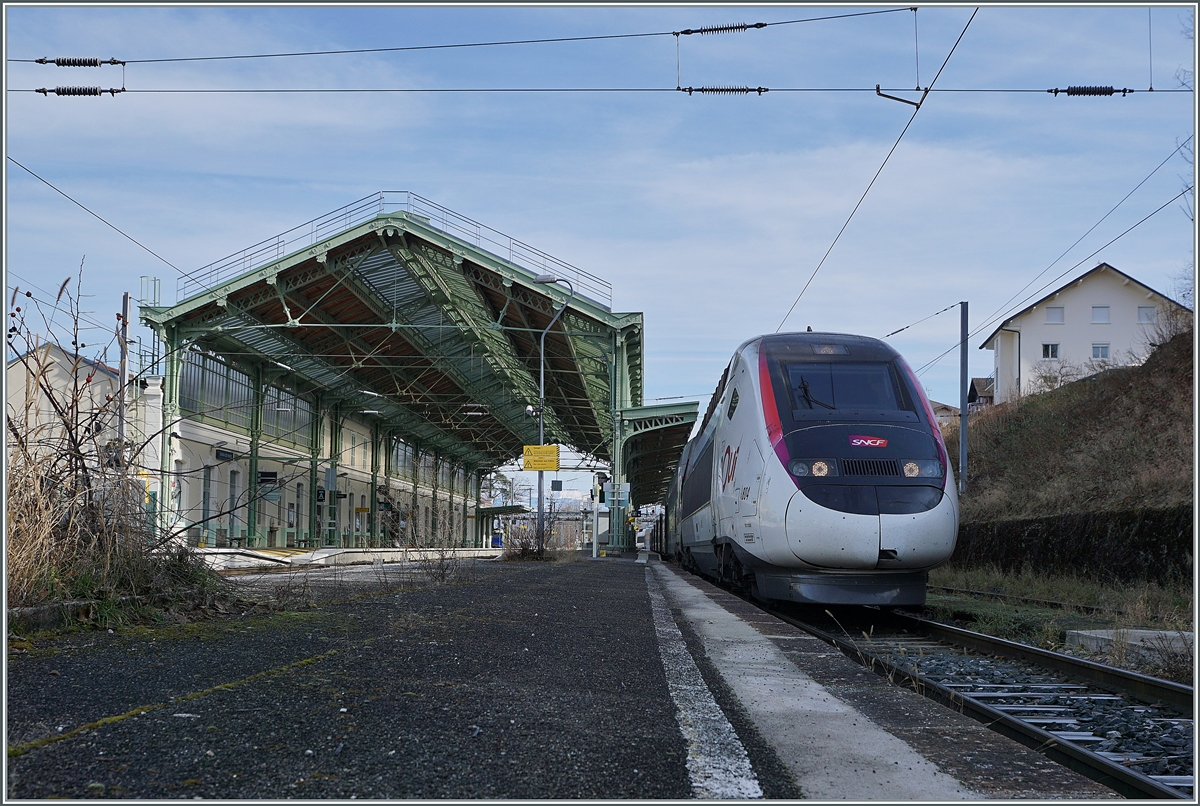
(390, 313)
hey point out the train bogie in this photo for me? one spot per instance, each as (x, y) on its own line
(818, 475)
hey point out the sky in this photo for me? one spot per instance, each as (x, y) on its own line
(708, 213)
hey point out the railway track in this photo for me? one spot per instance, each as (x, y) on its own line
(1008, 597)
(1128, 731)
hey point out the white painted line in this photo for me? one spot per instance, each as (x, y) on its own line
(717, 762)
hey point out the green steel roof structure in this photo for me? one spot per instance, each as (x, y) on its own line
(430, 322)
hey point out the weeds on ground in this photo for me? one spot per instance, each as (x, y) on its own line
(1166, 608)
(442, 566)
(1145, 605)
(1171, 657)
(78, 526)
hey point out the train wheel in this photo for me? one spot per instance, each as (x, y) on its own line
(754, 592)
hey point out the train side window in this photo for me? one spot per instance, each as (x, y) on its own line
(733, 401)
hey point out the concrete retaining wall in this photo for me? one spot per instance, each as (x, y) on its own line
(1141, 545)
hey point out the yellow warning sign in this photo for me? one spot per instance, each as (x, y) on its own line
(541, 457)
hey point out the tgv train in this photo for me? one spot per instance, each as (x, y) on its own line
(819, 475)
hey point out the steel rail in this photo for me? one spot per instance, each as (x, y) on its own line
(1126, 781)
(1043, 602)
(1148, 689)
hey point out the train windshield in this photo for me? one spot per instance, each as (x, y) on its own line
(847, 391)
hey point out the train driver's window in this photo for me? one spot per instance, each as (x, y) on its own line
(864, 385)
(812, 386)
(733, 401)
(845, 387)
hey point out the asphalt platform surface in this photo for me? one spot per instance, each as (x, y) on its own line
(529, 680)
(511, 681)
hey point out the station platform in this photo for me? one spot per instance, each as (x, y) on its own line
(238, 559)
(615, 678)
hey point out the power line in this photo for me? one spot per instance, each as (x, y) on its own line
(877, 173)
(98, 218)
(1089, 232)
(109, 224)
(78, 91)
(54, 306)
(919, 321)
(549, 40)
(993, 317)
(1059, 277)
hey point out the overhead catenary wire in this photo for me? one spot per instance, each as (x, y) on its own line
(980, 328)
(916, 49)
(995, 315)
(1006, 303)
(567, 90)
(877, 173)
(923, 319)
(498, 43)
(99, 218)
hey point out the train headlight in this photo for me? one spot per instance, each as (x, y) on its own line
(923, 468)
(802, 468)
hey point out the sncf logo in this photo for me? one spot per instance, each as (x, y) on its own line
(867, 442)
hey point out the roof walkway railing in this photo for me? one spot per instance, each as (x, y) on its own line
(388, 201)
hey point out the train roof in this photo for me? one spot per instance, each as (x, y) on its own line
(862, 348)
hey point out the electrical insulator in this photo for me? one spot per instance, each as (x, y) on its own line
(77, 61)
(1077, 91)
(735, 28)
(64, 91)
(723, 90)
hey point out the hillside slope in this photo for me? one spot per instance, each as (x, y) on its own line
(1116, 441)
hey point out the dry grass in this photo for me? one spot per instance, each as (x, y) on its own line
(1118, 440)
(77, 522)
(1144, 605)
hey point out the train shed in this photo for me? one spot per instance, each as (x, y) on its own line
(421, 330)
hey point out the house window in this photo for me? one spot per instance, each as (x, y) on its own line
(1100, 315)
(1099, 351)
(1049, 351)
(1147, 315)
(1054, 315)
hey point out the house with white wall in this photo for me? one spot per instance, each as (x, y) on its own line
(50, 391)
(1102, 319)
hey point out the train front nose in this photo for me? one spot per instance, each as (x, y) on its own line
(865, 527)
(835, 533)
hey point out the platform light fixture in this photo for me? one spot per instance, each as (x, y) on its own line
(545, 279)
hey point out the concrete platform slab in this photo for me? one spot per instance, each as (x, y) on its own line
(1141, 641)
(833, 751)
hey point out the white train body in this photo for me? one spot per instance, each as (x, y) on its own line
(819, 475)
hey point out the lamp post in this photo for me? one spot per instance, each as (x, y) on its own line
(545, 279)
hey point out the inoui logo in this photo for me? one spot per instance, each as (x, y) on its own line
(867, 442)
(729, 465)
